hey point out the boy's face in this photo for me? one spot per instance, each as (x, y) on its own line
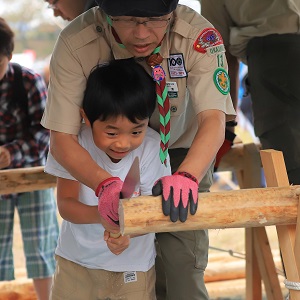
(140, 40)
(117, 137)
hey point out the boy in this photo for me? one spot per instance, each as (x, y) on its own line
(25, 143)
(118, 102)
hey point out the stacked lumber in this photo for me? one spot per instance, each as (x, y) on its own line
(21, 289)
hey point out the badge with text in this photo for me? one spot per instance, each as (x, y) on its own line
(209, 38)
(172, 89)
(130, 276)
(220, 60)
(176, 66)
(221, 80)
(215, 50)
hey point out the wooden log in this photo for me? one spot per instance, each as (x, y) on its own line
(25, 180)
(229, 209)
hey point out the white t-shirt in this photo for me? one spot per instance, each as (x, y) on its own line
(83, 243)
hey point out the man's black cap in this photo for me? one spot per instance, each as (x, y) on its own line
(137, 8)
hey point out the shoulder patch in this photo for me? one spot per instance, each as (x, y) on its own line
(209, 37)
(222, 81)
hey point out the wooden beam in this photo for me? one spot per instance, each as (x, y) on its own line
(266, 264)
(229, 209)
(25, 180)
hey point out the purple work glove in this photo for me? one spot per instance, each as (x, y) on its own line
(108, 193)
(179, 192)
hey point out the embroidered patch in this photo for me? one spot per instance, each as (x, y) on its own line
(130, 276)
(172, 89)
(220, 59)
(221, 80)
(176, 66)
(158, 73)
(215, 50)
(208, 38)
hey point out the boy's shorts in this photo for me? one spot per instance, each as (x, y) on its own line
(74, 282)
(39, 226)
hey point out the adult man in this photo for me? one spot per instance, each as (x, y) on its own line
(265, 35)
(186, 55)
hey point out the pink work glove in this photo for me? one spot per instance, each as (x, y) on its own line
(108, 193)
(177, 190)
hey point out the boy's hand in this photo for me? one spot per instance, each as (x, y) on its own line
(116, 245)
(112, 228)
(108, 193)
(179, 192)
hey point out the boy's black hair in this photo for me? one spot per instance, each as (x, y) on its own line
(6, 39)
(121, 87)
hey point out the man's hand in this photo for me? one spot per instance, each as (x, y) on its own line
(108, 193)
(116, 245)
(179, 192)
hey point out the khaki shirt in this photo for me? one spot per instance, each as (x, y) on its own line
(87, 41)
(240, 20)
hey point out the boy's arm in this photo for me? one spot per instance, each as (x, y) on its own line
(83, 168)
(72, 210)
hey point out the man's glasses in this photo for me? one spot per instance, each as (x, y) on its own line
(53, 5)
(151, 23)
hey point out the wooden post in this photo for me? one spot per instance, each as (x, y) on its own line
(248, 173)
(276, 175)
(259, 259)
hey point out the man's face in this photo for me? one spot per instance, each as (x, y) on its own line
(141, 36)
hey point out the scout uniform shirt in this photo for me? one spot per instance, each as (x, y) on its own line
(239, 21)
(194, 63)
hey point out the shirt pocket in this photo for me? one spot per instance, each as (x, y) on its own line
(179, 100)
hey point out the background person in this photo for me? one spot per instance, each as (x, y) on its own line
(265, 36)
(24, 143)
(175, 43)
(70, 9)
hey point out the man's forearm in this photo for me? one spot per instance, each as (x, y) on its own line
(76, 160)
(206, 144)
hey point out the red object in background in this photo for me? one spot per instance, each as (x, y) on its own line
(227, 144)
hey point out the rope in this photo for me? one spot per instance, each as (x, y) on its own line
(292, 285)
(230, 252)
